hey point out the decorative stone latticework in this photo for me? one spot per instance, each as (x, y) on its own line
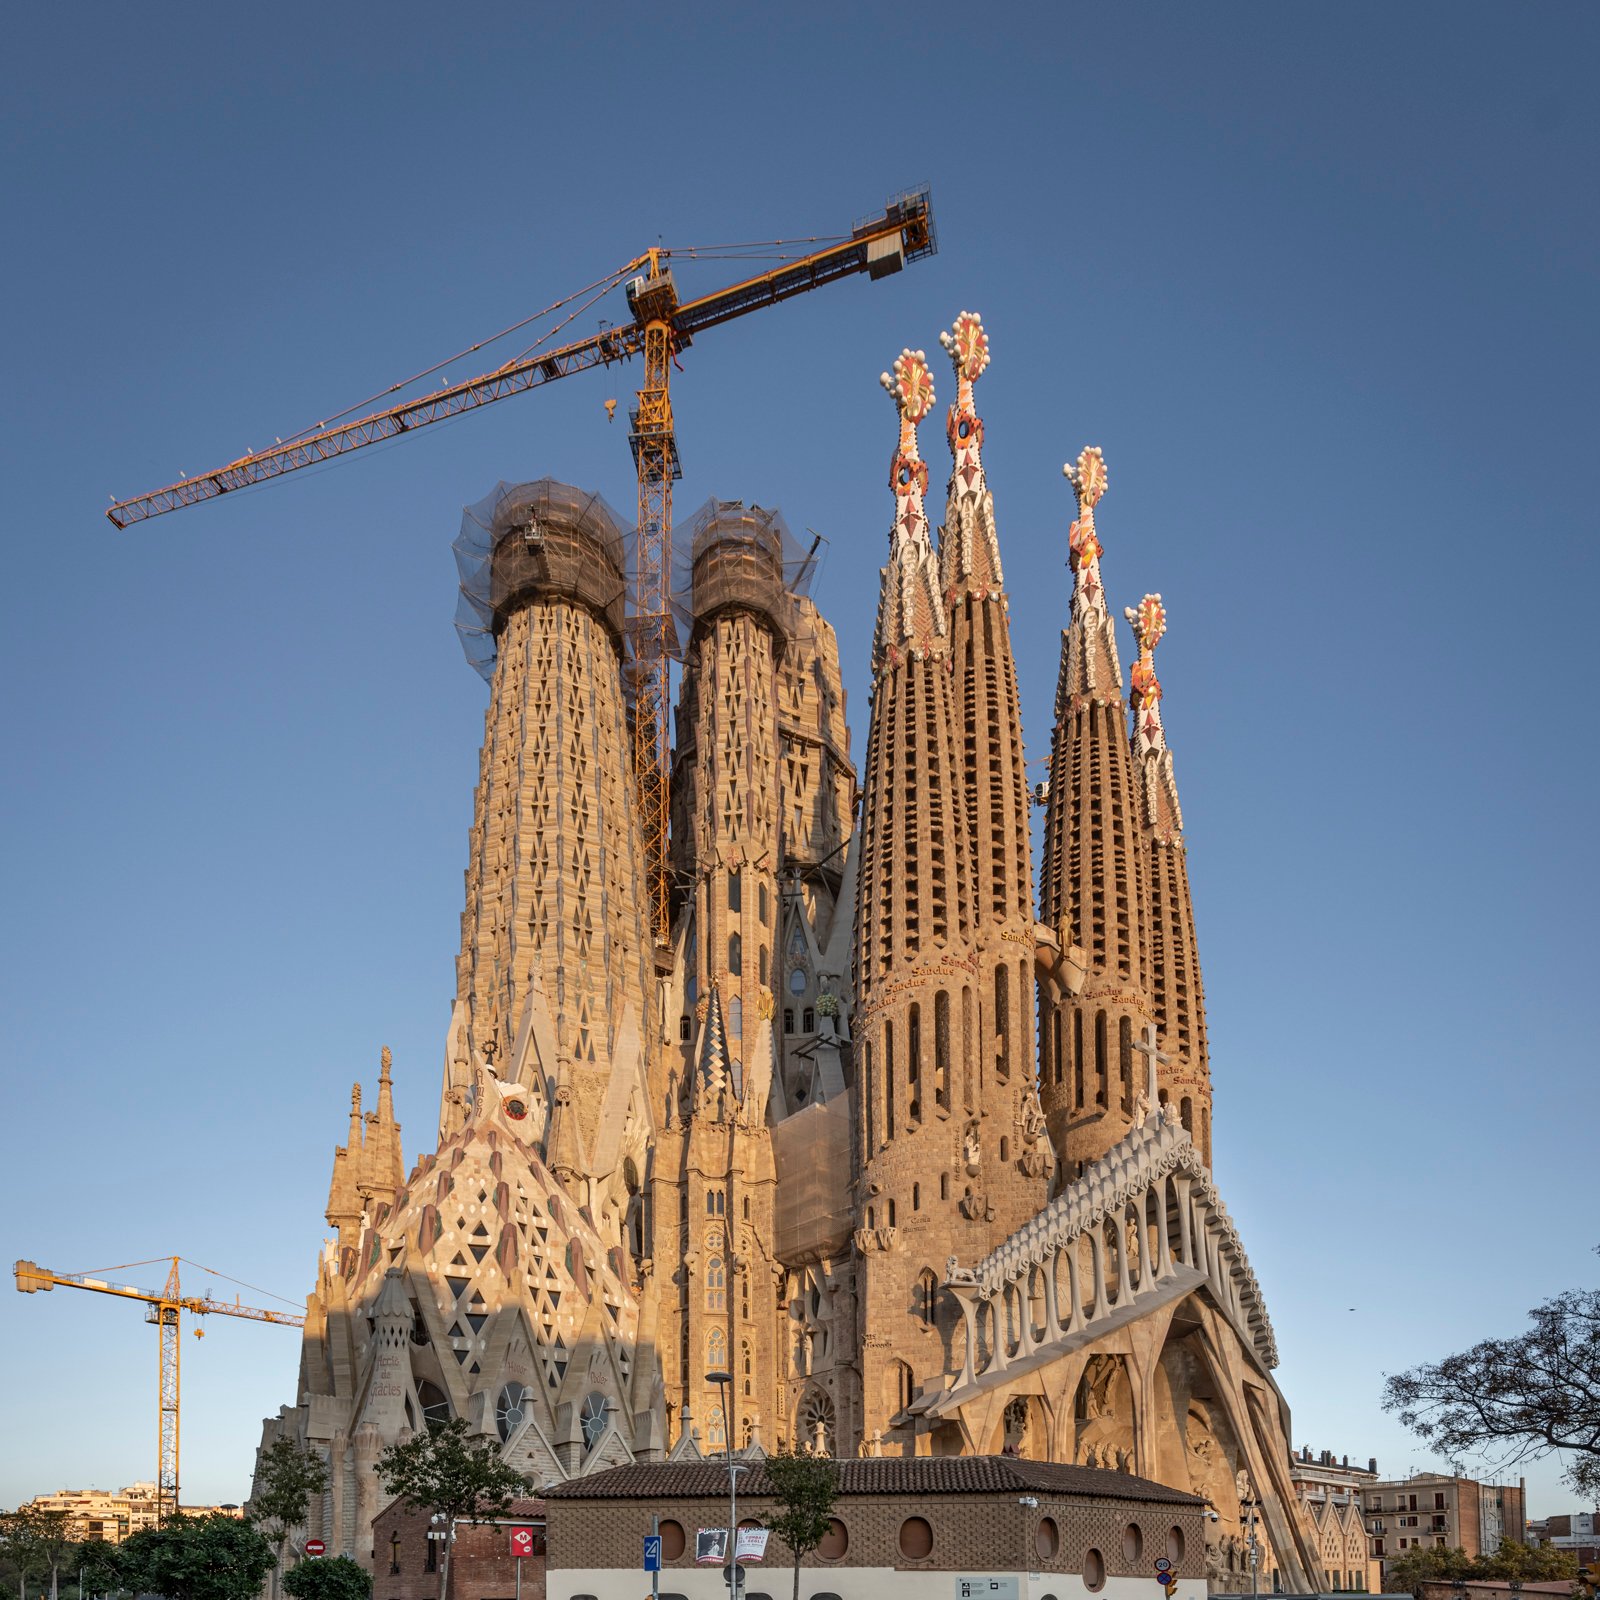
(1177, 995)
(1091, 888)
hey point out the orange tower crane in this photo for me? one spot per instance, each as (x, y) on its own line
(661, 328)
(166, 1312)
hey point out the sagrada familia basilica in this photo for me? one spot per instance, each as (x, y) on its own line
(915, 1149)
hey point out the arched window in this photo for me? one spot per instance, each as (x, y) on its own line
(808, 1021)
(716, 1202)
(1077, 1058)
(761, 963)
(747, 1367)
(1125, 1063)
(716, 1285)
(926, 1302)
(592, 1418)
(904, 1384)
(888, 1080)
(716, 1350)
(1102, 1066)
(1002, 1021)
(735, 955)
(914, 1063)
(683, 1026)
(716, 1430)
(1186, 1115)
(916, 1197)
(797, 981)
(788, 1019)
(736, 1016)
(735, 891)
(761, 902)
(941, 1050)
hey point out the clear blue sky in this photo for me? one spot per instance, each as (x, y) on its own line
(1319, 280)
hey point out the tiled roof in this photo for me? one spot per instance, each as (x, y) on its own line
(898, 1475)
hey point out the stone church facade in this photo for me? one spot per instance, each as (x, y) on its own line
(914, 1149)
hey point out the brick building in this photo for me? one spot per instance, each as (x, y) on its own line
(406, 1561)
(901, 1527)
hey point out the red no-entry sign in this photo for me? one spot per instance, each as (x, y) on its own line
(315, 1547)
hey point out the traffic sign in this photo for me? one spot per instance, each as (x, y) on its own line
(652, 1552)
(734, 1575)
(1163, 1565)
(315, 1547)
(521, 1542)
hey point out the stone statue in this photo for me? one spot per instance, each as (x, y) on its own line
(971, 1148)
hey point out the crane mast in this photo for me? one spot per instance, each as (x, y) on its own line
(660, 329)
(165, 1313)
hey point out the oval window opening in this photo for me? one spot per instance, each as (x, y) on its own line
(916, 1538)
(835, 1541)
(1094, 1570)
(1175, 1544)
(1132, 1542)
(671, 1540)
(1047, 1538)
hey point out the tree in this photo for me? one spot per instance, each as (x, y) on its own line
(20, 1544)
(99, 1567)
(197, 1558)
(1525, 1563)
(1517, 1398)
(456, 1478)
(37, 1539)
(288, 1478)
(335, 1578)
(1425, 1564)
(805, 1488)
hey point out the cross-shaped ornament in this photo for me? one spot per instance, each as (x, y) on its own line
(1154, 1056)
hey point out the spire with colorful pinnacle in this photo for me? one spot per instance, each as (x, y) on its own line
(988, 719)
(1176, 992)
(1092, 884)
(911, 621)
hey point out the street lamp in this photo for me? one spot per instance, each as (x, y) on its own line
(724, 1382)
(1249, 1512)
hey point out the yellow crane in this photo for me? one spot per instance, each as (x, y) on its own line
(166, 1313)
(660, 328)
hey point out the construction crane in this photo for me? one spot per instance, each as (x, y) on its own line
(660, 329)
(166, 1312)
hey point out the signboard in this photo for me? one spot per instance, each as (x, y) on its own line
(985, 1586)
(652, 1552)
(521, 1542)
(751, 1545)
(315, 1547)
(710, 1547)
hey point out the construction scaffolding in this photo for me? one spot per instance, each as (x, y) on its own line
(524, 540)
(812, 1218)
(740, 558)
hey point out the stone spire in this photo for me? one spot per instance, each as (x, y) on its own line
(382, 1168)
(988, 732)
(1176, 992)
(712, 1088)
(1092, 888)
(940, 1091)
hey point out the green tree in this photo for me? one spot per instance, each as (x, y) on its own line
(332, 1578)
(452, 1476)
(100, 1567)
(1517, 1398)
(1538, 1563)
(1425, 1564)
(197, 1558)
(805, 1488)
(288, 1478)
(20, 1544)
(46, 1539)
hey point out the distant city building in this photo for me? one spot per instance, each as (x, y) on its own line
(1579, 1533)
(1331, 1491)
(105, 1516)
(1445, 1512)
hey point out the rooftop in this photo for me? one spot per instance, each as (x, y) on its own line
(896, 1475)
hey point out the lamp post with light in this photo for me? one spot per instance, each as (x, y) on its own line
(1028, 1502)
(724, 1384)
